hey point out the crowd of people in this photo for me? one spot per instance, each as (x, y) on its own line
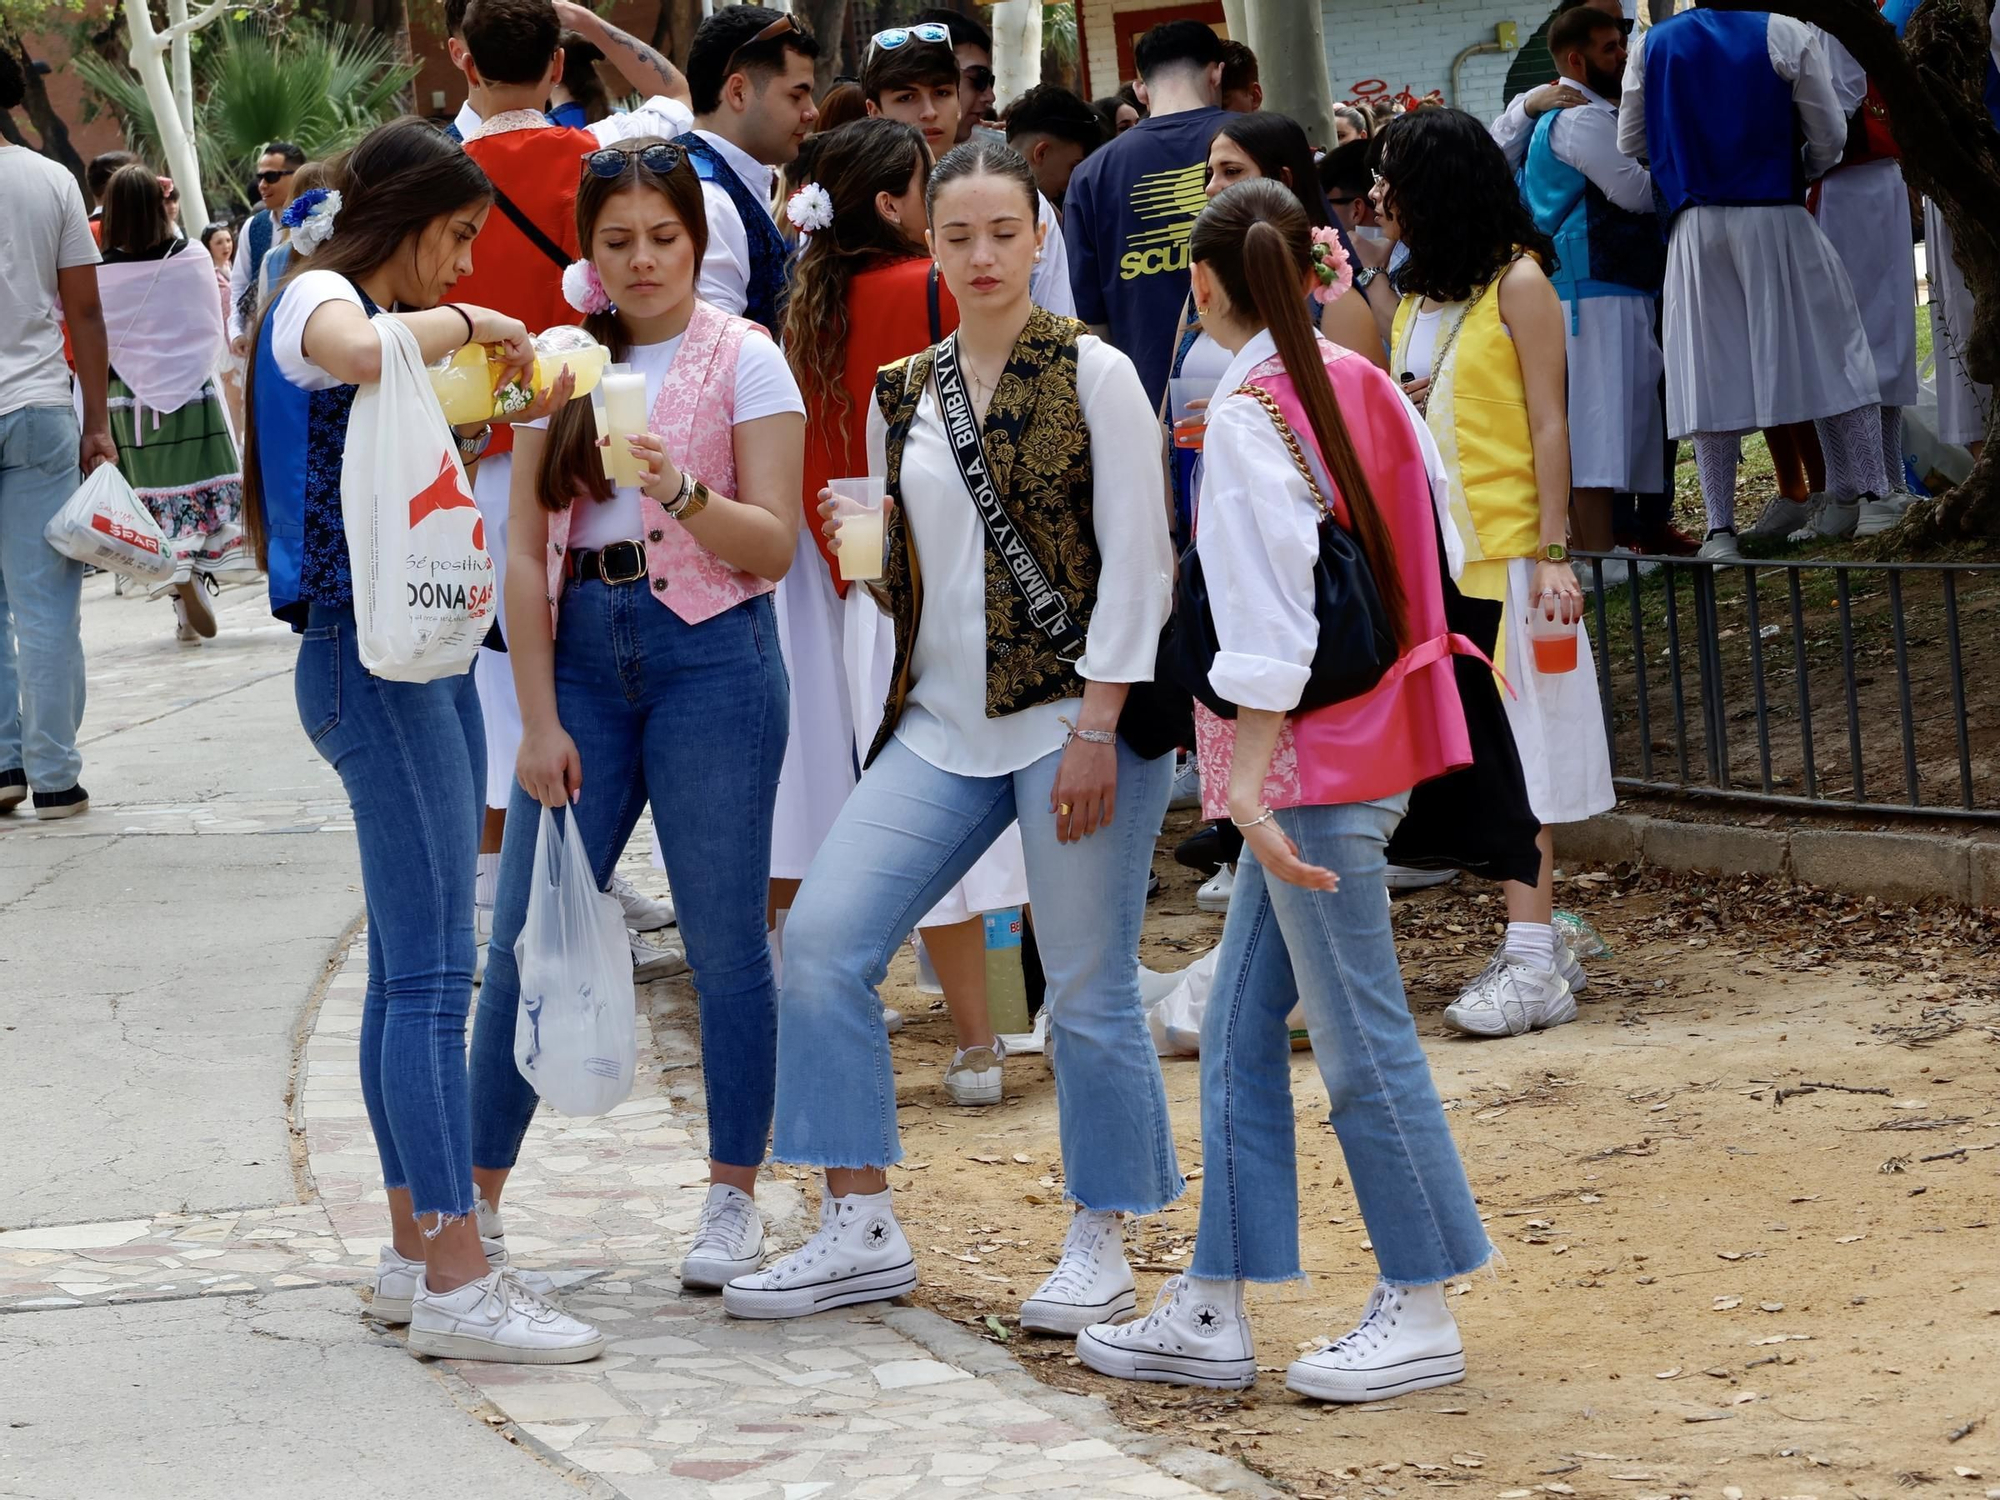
(1220, 470)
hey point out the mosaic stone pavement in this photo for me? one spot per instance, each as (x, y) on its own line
(866, 1403)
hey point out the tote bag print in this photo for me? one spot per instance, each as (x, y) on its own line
(423, 582)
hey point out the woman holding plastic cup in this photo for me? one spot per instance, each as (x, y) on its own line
(1027, 577)
(645, 656)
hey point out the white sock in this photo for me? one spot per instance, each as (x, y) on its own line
(486, 889)
(1534, 942)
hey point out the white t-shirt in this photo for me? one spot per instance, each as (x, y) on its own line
(764, 388)
(308, 292)
(44, 229)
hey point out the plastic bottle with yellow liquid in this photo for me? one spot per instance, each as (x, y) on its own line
(464, 381)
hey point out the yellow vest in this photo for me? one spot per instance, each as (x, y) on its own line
(1477, 410)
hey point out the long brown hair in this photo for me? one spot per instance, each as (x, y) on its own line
(135, 210)
(853, 164)
(570, 464)
(398, 180)
(1256, 242)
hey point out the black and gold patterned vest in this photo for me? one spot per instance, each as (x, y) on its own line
(1039, 452)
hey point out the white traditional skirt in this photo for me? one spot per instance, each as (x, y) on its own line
(1864, 211)
(1000, 877)
(1962, 402)
(819, 753)
(1558, 721)
(1760, 324)
(493, 671)
(1615, 439)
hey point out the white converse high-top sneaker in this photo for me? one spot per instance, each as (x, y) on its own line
(1090, 1284)
(858, 1255)
(1196, 1334)
(728, 1242)
(1406, 1341)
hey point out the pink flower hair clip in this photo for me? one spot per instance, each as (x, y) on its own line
(1330, 265)
(583, 288)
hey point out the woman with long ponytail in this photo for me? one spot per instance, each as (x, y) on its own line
(1301, 427)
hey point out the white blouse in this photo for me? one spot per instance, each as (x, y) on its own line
(1257, 533)
(944, 720)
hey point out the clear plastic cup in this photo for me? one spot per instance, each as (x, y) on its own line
(1552, 639)
(860, 541)
(1187, 406)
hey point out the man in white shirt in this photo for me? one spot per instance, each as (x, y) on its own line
(48, 277)
(1596, 203)
(1517, 121)
(750, 79)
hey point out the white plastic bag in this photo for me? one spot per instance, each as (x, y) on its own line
(1176, 1003)
(576, 1030)
(104, 524)
(423, 583)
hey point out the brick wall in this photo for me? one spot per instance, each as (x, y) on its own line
(1410, 44)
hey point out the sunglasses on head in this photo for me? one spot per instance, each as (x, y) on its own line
(902, 36)
(779, 27)
(271, 179)
(660, 159)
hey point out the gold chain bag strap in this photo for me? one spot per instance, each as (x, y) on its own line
(1270, 404)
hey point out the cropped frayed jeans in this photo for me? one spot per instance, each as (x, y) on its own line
(906, 835)
(691, 719)
(412, 756)
(1335, 952)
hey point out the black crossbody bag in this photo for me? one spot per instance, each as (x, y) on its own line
(1152, 722)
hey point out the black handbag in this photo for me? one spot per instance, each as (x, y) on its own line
(1357, 646)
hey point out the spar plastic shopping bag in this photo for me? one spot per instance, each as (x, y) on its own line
(104, 524)
(423, 583)
(575, 1033)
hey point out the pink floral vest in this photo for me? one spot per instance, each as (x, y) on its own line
(1410, 726)
(695, 415)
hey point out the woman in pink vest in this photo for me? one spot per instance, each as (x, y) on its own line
(1317, 795)
(646, 658)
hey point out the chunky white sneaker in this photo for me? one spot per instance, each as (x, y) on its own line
(1878, 516)
(497, 1318)
(1090, 1284)
(1215, 895)
(1782, 517)
(1187, 786)
(974, 1077)
(649, 962)
(1406, 1341)
(728, 1242)
(1403, 878)
(1830, 520)
(1567, 963)
(1509, 997)
(1189, 1338)
(1721, 547)
(858, 1255)
(642, 912)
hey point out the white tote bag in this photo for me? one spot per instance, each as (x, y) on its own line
(423, 582)
(104, 524)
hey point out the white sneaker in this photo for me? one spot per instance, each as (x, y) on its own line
(1406, 1341)
(649, 962)
(487, 1219)
(1721, 547)
(1567, 963)
(194, 607)
(858, 1255)
(1187, 786)
(1215, 895)
(892, 1019)
(728, 1242)
(396, 1281)
(184, 631)
(498, 1318)
(974, 1078)
(1878, 516)
(642, 912)
(1189, 1338)
(1509, 997)
(1090, 1284)
(1782, 517)
(1829, 521)
(1403, 878)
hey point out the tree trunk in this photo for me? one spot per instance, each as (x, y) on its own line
(827, 20)
(1017, 47)
(149, 49)
(1931, 82)
(180, 54)
(42, 115)
(1290, 44)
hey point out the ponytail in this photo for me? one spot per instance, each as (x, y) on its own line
(1256, 241)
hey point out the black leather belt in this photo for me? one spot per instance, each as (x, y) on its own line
(621, 562)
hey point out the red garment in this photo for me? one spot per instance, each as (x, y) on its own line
(888, 318)
(538, 170)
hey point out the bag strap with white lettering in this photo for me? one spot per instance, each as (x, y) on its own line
(1045, 605)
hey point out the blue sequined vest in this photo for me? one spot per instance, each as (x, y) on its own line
(770, 257)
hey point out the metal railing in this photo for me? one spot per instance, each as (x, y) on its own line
(1846, 679)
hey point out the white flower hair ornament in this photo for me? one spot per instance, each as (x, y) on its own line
(310, 218)
(583, 288)
(810, 209)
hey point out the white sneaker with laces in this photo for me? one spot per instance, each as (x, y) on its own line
(1406, 1341)
(498, 1318)
(1090, 1284)
(1782, 517)
(1721, 547)
(1511, 996)
(728, 1242)
(1830, 520)
(642, 912)
(649, 962)
(1878, 516)
(1215, 895)
(858, 1255)
(1187, 786)
(974, 1077)
(1567, 963)
(397, 1279)
(487, 1219)
(1196, 1334)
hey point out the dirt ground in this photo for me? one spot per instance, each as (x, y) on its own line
(1718, 1279)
